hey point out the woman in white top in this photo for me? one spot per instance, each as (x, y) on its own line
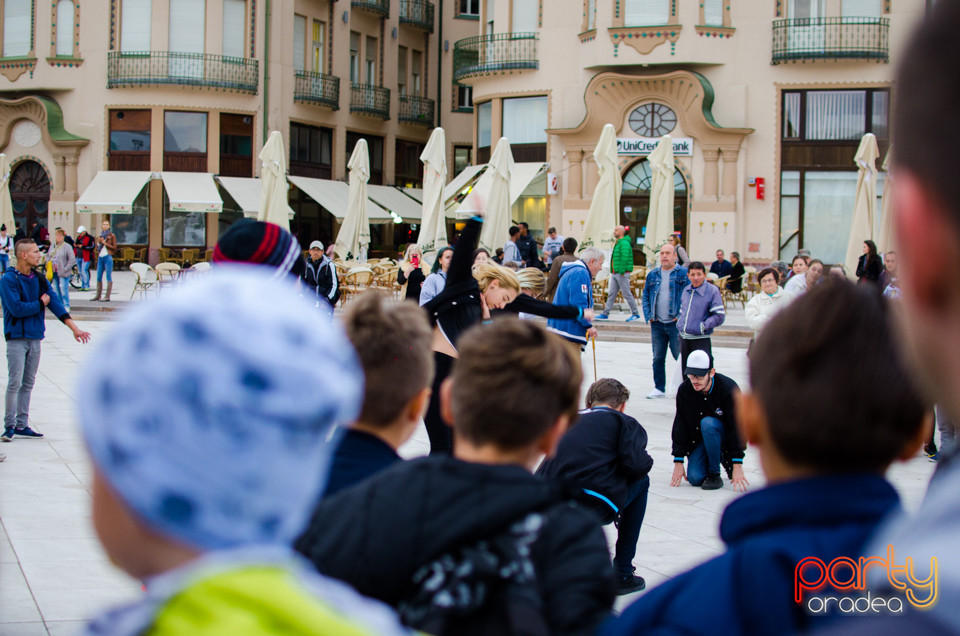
(771, 299)
(436, 281)
(6, 248)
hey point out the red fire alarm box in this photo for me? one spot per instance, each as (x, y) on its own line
(761, 188)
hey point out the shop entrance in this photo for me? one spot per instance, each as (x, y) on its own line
(635, 205)
(30, 195)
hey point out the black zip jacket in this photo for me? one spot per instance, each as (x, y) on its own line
(693, 406)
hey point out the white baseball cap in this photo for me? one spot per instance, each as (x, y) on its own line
(81, 230)
(316, 244)
(698, 363)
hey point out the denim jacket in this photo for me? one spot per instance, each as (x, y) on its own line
(679, 280)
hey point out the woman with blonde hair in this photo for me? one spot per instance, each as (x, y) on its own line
(413, 271)
(533, 283)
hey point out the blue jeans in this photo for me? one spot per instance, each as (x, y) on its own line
(662, 334)
(85, 274)
(105, 264)
(23, 359)
(705, 459)
(4, 262)
(61, 285)
(631, 518)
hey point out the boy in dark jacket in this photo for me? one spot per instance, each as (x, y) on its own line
(540, 562)
(831, 409)
(320, 275)
(605, 455)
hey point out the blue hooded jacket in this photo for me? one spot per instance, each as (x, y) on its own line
(22, 308)
(576, 289)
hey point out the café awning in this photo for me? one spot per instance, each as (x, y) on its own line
(520, 177)
(394, 200)
(112, 192)
(246, 192)
(191, 192)
(334, 197)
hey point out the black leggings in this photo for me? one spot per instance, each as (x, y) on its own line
(441, 435)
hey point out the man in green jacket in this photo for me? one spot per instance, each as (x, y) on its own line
(621, 264)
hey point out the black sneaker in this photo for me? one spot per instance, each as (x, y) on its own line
(630, 584)
(7, 434)
(26, 431)
(712, 482)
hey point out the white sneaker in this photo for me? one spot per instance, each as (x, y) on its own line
(656, 393)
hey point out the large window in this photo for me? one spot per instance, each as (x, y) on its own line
(402, 70)
(183, 229)
(135, 20)
(861, 8)
(234, 27)
(370, 69)
(129, 140)
(316, 47)
(646, 12)
(236, 145)
(354, 56)
(484, 124)
(186, 35)
(842, 115)
(311, 150)
(409, 168)
(525, 125)
(17, 28)
(713, 12)
(63, 28)
(375, 151)
(461, 158)
(299, 42)
(134, 229)
(797, 9)
(184, 141)
(525, 15)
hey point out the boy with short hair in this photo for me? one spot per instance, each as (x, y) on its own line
(604, 455)
(830, 409)
(208, 454)
(393, 344)
(474, 543)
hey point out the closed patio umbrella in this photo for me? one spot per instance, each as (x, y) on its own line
(6, 205)
(605, 205)
(660, 217)
(865, 202)
(354, 236)
(433, 222)
(496, 224)
(273, 187)
(885, 241)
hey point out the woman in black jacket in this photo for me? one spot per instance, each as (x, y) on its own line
(870, 266)
(411, 273)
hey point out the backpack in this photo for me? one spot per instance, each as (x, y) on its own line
(489, 587)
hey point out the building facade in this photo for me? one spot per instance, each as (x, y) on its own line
(766, 102)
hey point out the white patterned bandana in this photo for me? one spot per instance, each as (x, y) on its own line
(209, 409)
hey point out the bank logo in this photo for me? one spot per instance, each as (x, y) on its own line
(839, 586)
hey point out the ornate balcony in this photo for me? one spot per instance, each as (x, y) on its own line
(317, 88)
(367, 99)
(494, 54)
(380, 7)
(831, 39)
(416, 110)
(417, 13)
(169, 68)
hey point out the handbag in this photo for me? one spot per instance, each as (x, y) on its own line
(49, 270)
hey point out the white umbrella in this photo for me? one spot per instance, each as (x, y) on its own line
(605, 205)
(6, 205)
(273, 186)
(354, 236)
(433, 222)
(865, 202)
(496, 223)
(885, 241)
(660, 216)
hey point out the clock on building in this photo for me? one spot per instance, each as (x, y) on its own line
(27, 134)
(653, 120)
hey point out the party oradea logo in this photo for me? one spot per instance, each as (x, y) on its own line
(840, 587)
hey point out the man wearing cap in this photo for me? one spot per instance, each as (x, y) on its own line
(83, 247)
(705, 428)
(320, 275)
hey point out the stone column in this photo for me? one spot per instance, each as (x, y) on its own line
(711, 172)
(59, 173)
(575, 157)
(728, 189)
(71, 170)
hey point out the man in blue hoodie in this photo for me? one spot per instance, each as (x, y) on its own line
(576, 289)
(825, 439)
(25, 296)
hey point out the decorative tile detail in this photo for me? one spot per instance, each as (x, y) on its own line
(645, 40)
(715, 32)
(587, 36)
(64, 62)
(113, 25)
(253, 28)
(779, 8)
(13, 68)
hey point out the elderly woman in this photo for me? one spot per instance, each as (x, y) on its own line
(771, 299)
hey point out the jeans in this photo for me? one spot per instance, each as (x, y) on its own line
(4, 262)
(23, 359)
(61, 285)
(439, 432)
(662, 334)
(705, 459)
(85, 274)
(631, 518)
(621, 283)
(689, 345)
(105, 264)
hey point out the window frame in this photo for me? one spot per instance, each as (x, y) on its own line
(31, 49)
(869, 92)
(73, 32)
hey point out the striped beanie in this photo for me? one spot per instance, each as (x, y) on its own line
(259, 243)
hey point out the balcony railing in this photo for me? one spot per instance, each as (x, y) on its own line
(416, 110)
(417, 13)
(367, 99)
(831, 39)
(489, 54)
(166, 68)
(317, 88)
(380, 7)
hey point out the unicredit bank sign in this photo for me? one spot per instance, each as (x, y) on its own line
(682, 146)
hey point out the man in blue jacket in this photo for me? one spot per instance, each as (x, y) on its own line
(661, 305)
(576, 289)
(25, 296)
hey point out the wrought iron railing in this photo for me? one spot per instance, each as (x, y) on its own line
(416, 110)
(368, 99)
(486, 54)
(317, 88)
(417, 13)
(831, 39)
(380, 7)
(163, 68)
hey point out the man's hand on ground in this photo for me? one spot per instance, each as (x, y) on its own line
(678, 474)
(740, 482)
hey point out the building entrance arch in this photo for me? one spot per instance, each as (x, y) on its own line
(635, 204)
(30, 195)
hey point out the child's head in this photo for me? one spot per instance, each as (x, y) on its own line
(830, 387)
(207, 414)
(607, 392)
(392, 341)
(513, 382)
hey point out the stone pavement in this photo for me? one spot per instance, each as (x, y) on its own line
(53, 574)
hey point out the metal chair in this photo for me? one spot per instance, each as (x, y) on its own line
(147, 278)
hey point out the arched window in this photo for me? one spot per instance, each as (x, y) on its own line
(64, 27)
(639, 180)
